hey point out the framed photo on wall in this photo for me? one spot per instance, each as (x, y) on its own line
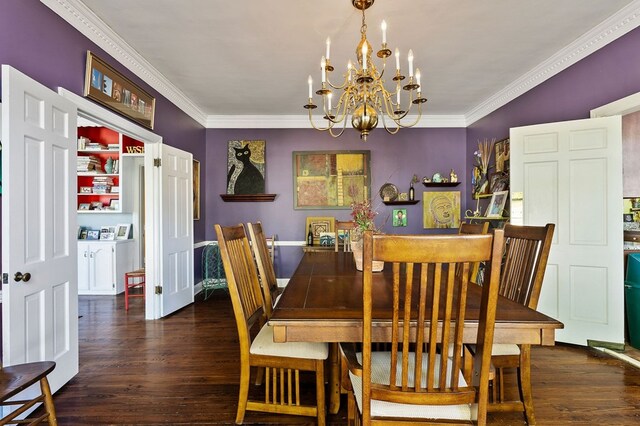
(196, 190)
(113, 90)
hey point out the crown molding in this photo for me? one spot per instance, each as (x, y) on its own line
(609, 30)
(302, 121)
(91, 26)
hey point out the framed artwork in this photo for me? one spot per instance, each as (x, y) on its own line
(93, 234)
(399, 217)
(441, 209)
(84, 206)
(122, 231)
(496, 206)
(502, 155)
(627, 217)
(320, 225)
(246, 167)
(330, 179)
(114, 205)
(499, 181)
(113, 90)
(108, 233)
(196, 190)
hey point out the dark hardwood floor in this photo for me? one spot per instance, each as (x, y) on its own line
(183, 370)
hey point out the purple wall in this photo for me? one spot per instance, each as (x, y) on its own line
(39, 43)
(609, 74)
(393, 159)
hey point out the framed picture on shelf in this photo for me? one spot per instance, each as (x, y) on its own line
(93, 234)
(496, 206)
(114, 205)
(499, 181)
(96, 205)
(122, 231)
(319, 225)
(86, 189)
(108, 233)
(84, 206)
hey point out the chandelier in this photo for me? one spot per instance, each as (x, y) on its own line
(363, 96)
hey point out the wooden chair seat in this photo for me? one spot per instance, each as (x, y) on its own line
(15, 379)
(263, 345)
(134, 280)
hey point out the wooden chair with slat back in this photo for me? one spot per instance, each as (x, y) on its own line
(282, 361)
(404, 386)
(523, 266)
(264, 261)
(474, 229)
(14, 380)
(345, 226)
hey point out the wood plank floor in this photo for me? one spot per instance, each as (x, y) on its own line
(183, 370)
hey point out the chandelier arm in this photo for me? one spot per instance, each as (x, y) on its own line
(342, 104)
(323, 129)
(344, 84)
(404, 126)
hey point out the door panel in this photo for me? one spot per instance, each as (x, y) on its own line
(40, 316)
(570, 174)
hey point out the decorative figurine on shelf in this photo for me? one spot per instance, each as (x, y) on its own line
(453, 177)
(108, 165)
(437, 177)
(412, 191)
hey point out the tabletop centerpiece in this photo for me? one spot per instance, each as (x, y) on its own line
(363, 218)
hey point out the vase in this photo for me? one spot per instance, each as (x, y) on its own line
(108, 165)
(356, 249)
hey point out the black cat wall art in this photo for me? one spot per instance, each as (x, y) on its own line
(246, 167)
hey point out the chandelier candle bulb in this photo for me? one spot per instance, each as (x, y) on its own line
(349, 66)
(323, 66)
(310, 81)
(410, 58)
(418, 80)
(384, 32)
(364, 56)
(398, 60)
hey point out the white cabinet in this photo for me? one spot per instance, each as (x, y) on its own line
(102, 265)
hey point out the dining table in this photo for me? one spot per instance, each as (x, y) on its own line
(322, 302)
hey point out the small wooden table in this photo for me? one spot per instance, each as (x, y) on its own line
(323, 303)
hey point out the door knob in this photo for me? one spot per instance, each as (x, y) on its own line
(19, 276)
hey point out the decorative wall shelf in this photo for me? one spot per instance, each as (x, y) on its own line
(400, 203)
(248, 197)
(486, 218)
(442, 184)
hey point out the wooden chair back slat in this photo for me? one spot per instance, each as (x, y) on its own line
(429, 305)
(524, 262)
(345, 226)
(474, 229)
(241, 278)
(262, 254)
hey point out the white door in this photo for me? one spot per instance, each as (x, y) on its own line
(570, 174)
(169, 263)
(39, 232)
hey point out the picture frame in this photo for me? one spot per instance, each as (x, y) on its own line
(399, 217)
(114, 204)
(93, 234)
(502, 155)
(330, 179)
(83, 234)
(84, 206)
(319, 225)
(110, 88)
(627, 217)
(86, 189)
(108, 233)
(441, 209)
(499, 181)
(496, 205)
(122, 231)
(196, 190)
(246, 167)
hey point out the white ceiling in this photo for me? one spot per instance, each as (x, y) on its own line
(251, 58)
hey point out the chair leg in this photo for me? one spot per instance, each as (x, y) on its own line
(524, 383)
(320, 399)
(500, 378)
(48, 401)
(259, 375)
(243, 393)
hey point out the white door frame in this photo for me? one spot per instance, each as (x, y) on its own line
(104, 117)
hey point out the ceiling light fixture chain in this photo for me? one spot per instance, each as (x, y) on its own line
(364, 97)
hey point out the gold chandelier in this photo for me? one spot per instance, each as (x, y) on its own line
(364, 97)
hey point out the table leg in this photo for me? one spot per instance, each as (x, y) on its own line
(334, 378)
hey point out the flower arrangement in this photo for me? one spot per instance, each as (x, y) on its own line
(363, 216)
(482, 157)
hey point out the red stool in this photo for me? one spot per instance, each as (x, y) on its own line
(133, 279)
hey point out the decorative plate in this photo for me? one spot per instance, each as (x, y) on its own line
(388, 192)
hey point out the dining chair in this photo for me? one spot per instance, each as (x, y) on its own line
(264, 261)
(281, 361)
(345, 226)
(417, 380)
(526, 251)
(474, 229)
(15, 379)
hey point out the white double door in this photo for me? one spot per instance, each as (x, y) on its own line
(39, 230)
(570, 174)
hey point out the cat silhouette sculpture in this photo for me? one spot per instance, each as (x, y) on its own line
(250, 180)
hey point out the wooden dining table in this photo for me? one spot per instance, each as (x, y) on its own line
(323, 303)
